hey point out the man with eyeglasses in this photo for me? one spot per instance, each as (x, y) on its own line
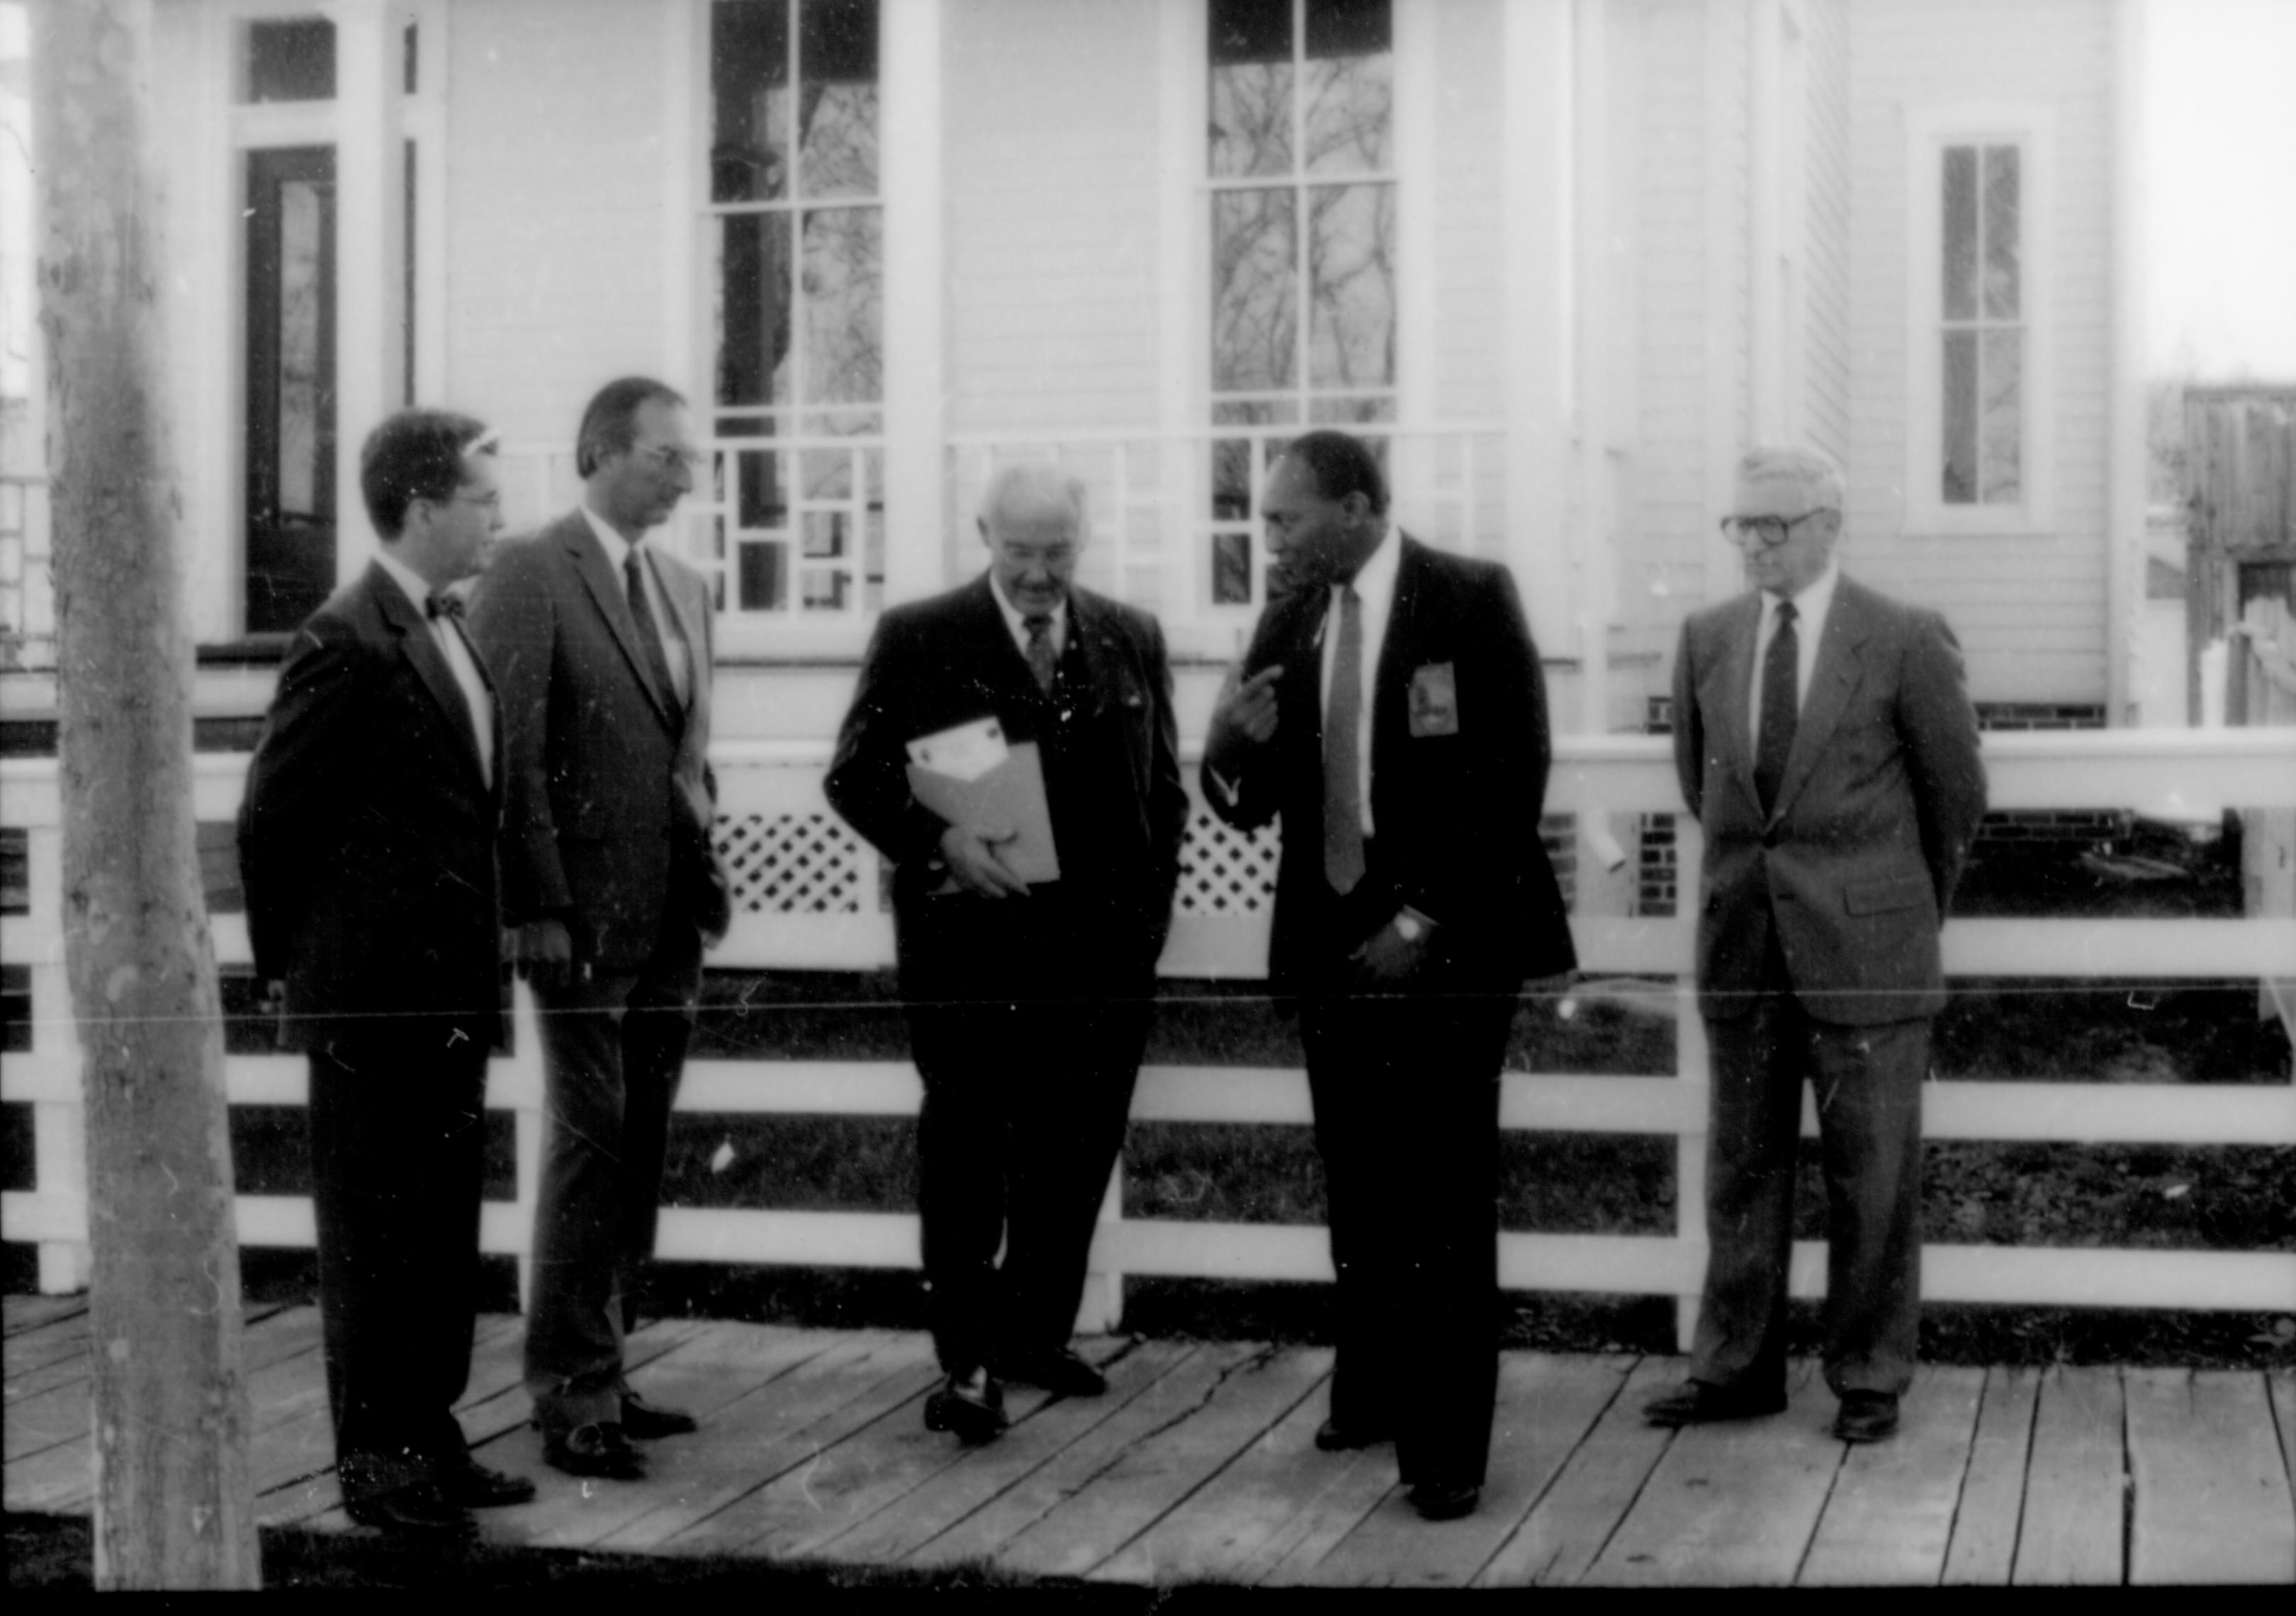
(367, 855)
(1826, 741)
(599, 642)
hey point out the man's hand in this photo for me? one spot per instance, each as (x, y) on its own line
(972, 862)
(546, 954)
(1389, 957)
(1248, 706)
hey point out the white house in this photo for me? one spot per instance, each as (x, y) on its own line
(1571, 256)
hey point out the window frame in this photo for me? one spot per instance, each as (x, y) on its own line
(2031, 131)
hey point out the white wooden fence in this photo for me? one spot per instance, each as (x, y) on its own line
(809, 897)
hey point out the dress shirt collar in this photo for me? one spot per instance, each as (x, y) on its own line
(1374, 580)
(408, 578)
(617, 548)
(1810, 606)
(1017, 625)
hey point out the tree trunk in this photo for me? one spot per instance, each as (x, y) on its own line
(174, 1495)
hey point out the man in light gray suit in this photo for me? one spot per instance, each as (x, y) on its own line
(600, 644)
(1826, 742)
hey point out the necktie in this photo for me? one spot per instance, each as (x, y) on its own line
(1343, 839)
(657, 661)
(441, 603)
(1041, 661)
(1780, 708)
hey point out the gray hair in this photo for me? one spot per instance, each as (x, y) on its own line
(1818, 475)
(1033, 482)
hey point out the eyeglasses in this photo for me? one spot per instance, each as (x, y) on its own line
(1768, 532)
(691, 461)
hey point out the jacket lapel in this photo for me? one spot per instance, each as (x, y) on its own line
(605, 587)
(1732, 738)
(1832, 679)
(420, 650)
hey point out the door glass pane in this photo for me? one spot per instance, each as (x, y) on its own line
(1255, 290)
(302, 216)
(1351, 334)
(1961, 233)
(2001, 292)
(749, 96)
(753, 282)
(289, 386)
(1250, 48)
(1351, 87)
(290, 60)
(837, 104)
(844, 286)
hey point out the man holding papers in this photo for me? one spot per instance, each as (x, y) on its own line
(1391, 710)
(1012, 749)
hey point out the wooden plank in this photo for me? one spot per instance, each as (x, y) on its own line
(956, 1493)
(1733, 1504)
(1218, 1527)
(1158, 1405)
(1564, 1532)
(1889, 1520)
(22, 1314)
(1351, 1486)
(2211, 1499)
(2074, 1481)
(800, 1511)
(1985, 1524)
(1132, 1496)
(1547, 1405)
(770, 1429)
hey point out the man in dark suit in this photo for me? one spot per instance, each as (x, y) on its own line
(1391, 710)
(1827, 745)
(366, 848)
(1028, 1003)
(600, 644)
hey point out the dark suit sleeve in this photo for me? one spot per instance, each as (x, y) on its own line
(294, 816)
(1243, 779)
(514, 619)
(1480, 889)
(1938, 727)
(1167, 795)
(1689, 727)
(868, 780)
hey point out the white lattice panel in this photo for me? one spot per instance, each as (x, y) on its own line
(1225, 871)
(794, 864)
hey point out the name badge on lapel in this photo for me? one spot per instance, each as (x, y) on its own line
(1434, 700)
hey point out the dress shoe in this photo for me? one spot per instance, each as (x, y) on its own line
(1700, 1403)
(1055, 1369)
(647, 1421)
(1332, 1437)
(1444, 1500)
(594, 1451)
(1866, 1416)
(417, 1510)
(462, 1479)
(970, 1405)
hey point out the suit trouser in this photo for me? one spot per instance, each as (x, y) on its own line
(1407, 1095)
(1028, 1036)
(397, 1138)
(1868, 1083)
(613, 1050)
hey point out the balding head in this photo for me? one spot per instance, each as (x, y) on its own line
(1814, 476)
(1032, 518)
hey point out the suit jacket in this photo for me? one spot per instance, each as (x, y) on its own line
(1454, 814)
(367, 832)
(1880, 800)
(610, 797)
(948, 660)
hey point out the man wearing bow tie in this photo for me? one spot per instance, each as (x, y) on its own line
(1826, 742)
(599, 642)
(1028, 1003)
(1391, 710)
(367, 853)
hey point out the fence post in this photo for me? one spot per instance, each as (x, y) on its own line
(1693, 1064)
(517, 1084)
(59, 1127)
(1102, 1311)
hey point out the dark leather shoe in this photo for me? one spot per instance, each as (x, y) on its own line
(417, 1510)
(1866, 1416)
(1698, 1403)
(463, 1481)
(647, 1421)
(1057, 1370)
(972, 1406)
(1444, 1500)
(1332, 1437)
(594, 1451)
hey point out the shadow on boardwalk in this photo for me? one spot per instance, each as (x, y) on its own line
(813, 1468)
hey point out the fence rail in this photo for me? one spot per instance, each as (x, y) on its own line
(809, 896)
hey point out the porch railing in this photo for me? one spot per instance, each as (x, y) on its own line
(809, 897)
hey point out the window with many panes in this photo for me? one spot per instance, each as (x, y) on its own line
(1301, 193)
(1982, 331)
(795, 244)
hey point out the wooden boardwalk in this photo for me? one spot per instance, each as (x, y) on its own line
(1198, 1467)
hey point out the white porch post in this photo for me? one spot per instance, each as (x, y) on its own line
(370, 250)
(2126, 455)
(916, 517)
(1536, 231)
(1595, 512)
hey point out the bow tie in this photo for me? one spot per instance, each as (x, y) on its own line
(442, 604)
